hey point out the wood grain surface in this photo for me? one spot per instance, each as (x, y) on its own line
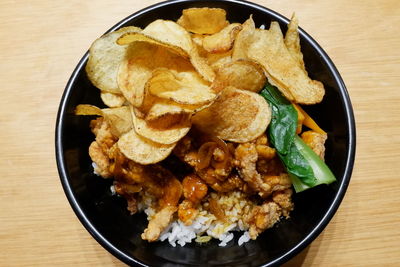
(43, 40)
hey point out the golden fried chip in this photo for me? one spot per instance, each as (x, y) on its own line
(282, 70)
(203, 20)
(216, 61)
(119, 119)
(162, 136)
(292, 41)
(112, 100)
(84, 109)
(170, 35)
(181, 87)
(237, 115)
(142, 58)
(242, 74)
(104, 59)
(222, 41)
(244, 39)
(142, 150)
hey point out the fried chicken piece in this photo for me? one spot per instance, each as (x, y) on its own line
(273, 166)
(263, 217)
(100, 159)
(99, 149)
(316, 142)
(158, 223)
(194, 190)
(104, 137)
(187, 212)
(246, 158)
(128, 191)
(284, 200)
(265, 152)
(262, 140)
(277, 182)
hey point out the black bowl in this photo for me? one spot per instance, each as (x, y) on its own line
(105, 216)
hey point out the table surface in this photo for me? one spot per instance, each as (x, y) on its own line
(43, 40)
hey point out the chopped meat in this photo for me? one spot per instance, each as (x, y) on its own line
(194, 189)
(104, 137)
(158, 223)
(262, 140)
(265, 152)
(128, 191)
(99, 149)
(100, 159)
(263, 217)
(277, 182)
(132, 204)
(246, 157)
(316, 141)
(187, 212)
(270, 167)
(233, 182)
(284, 200)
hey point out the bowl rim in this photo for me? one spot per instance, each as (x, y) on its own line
(349, 163)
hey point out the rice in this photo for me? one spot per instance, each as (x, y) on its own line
(206, 226)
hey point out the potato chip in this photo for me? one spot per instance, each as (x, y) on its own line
(119, 119)
(142, 58)
(203, 20)
(112, 100)
(84, 109)
(181, 87)
(161, 136)
(163, 106)
(292, 41)
(218, 60)
(222, 41)
(237, 115)
(104, 59)
(242, 74)
(269, 50)
(244, 39)
(142, 150)
(170, 35)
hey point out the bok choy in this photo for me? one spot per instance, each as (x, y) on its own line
(305, 168)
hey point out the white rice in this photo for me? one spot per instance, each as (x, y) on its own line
(206, 225)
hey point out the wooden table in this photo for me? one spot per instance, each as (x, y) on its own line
(42, 41)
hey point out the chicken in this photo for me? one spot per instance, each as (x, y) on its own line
(246, 158)
(277, 182)
(158, 223)
(263, 217)
(316, 141)
(99, 149)
(101, 160)
(284, 200)
(194, 190)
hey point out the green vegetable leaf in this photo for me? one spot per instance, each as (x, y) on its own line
(305, 168)
(282, 128)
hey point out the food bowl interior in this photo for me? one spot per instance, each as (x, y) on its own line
(105, 215)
